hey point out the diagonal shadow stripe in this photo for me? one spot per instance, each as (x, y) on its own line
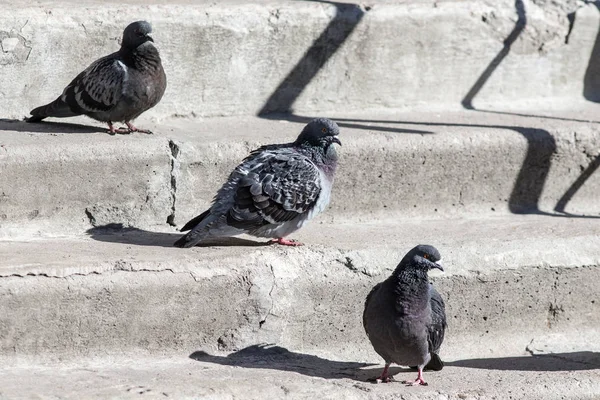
(529, 184)
(562, 202)
(338, 30)
(591, 79)
(467, 102)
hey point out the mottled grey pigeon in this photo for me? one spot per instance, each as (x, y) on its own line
(405, 317)
(274, 191)
(115, 88)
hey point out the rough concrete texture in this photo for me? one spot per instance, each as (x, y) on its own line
(57, 182)
(65, 178)
(122, 313)
(271, 372)
(509, 281)
(241, 58)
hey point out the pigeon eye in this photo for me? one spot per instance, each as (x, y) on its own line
(324, 130)
(426, 256)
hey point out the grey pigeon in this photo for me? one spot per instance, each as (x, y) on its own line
(274, 191)
(405, 317)
(115, 88)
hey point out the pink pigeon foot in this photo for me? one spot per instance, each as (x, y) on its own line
(383, 378)
(112, 130)
(418, 381)
(285, 242)
(132, 128)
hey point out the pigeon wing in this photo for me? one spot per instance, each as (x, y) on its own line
(438, 324)
(367, 301)
(98, 88)
(277, 185)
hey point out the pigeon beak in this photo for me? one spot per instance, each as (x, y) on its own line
(438, 265)
(334, 139)
(149, 37)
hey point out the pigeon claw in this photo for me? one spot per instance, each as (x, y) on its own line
(419, 381)
(112, 130)
(416, 382)
(381, 379)
(132, 128)
(286, 242)
(384, 377)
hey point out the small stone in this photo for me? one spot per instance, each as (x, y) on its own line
(9, 44)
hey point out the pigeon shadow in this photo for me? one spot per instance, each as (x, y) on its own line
(576, 361)
(265, 356)
(47, 127)
(117, 233)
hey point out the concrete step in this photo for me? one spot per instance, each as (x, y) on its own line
(122, 313)
(248, 57)
(66, 178)
(509, 280)
(272, 372)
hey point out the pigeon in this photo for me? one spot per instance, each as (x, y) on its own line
(405, 317)
(274, 191)
(118, 87)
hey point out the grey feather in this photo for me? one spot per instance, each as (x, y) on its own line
(275, 190)
(404, 316)
(115, 88)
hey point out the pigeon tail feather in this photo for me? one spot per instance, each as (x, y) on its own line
(436, 363)
(194, 221)
(211, 226)
(184, 242)
(57, 108)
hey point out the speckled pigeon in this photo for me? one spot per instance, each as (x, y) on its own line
(274, 191)
(118, 87)
(405, 317)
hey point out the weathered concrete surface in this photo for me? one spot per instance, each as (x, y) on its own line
(418, 164)
(244, 57)
(63, 178)
(274, 372)
(509, 281)
(61, 182)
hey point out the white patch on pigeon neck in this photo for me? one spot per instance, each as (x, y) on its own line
(124, 67)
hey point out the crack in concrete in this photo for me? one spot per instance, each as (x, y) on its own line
(175, 167)
(90, 217)
(118, 267)
(533, 353)
(528, 348)
(262, 321)
(554, 309)
(46, 275)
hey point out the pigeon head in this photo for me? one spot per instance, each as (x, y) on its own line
(136, 34)
(320, 132)
(423, 257)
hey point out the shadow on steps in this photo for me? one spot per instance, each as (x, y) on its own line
(576, 361)
(117, 233)
(266, 356)
(47, 127)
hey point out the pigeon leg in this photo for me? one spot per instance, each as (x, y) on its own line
(384, 377)
(112, 130)
(418, 381)
(285, 242)
(132, 128)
